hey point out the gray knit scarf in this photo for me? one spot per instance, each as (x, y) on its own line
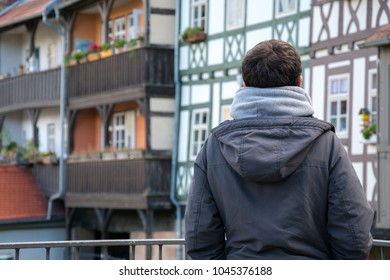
(251, 102)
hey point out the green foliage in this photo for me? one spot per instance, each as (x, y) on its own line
(369, 131)
(79, 54)
(190, 32)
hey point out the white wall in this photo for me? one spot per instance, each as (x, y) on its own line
(162, 29)
(10, 50)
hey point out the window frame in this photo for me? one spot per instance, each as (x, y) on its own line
(200, 128)
(339, 97)
(234, 11)
(122, 23)
(199, 21)
(119, 143)
(279, 14)
(51, 137)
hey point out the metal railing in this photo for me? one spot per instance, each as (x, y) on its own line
(382, 245)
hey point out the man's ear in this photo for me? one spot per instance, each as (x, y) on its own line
(300, 80)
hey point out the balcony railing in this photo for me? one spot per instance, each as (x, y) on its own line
(29, 90)
(131, 243)
(142, 66)
(131, 183)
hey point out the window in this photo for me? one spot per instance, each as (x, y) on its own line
(235, 14)
(338, 103)
(119, 130)
(285, 7)
(199, 130)
(51, 137)
(131, 28)
(199, 13)
(119, 28)
(372, 96)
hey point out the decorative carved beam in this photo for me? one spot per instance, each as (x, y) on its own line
(105, 8)
(34, 115)
(32, 30)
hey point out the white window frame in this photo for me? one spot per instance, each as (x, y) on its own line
(198, 131)
(119, 127)
(289, 7)
(197, 19)
(51, 137)
(120, 27)
(339, 96)
(373, 95)
(235, 14)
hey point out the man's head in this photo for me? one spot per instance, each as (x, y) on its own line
(272, 63)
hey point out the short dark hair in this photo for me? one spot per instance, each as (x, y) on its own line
(271, 63)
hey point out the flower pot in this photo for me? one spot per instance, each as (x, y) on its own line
(106, 53)
(93, 56)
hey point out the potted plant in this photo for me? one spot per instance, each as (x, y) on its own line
(106, 50)
(94, 52)
(80, 56)
(119, 44)
(369, 133)
(193, 35)
(135, 42)
(49, 157)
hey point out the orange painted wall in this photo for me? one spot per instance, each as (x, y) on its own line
(141, 132)
(85, 27)
(87, 131)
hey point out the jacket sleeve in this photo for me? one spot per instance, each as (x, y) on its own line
(350, 217)
(204, 230)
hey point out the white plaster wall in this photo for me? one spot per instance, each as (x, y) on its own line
(43, 38)
(49, 116)
(10, 51)
(318, 91)
(334, 19)
(216, 51)
(184, 15)
(162, 104)
(185, 95)
(359, 86)
(229, 89)
(200, 94)
(257, 12)
(183, 58)
(358, 166)
(216, 101)
(166, 4)
(361, 15)
(375, 9)
(304, 5)
(161, 132)
(256, 36)
(306, 80)
(12, 127)
(304, 32)
(183, 136)
(165, 23)
(216, 16)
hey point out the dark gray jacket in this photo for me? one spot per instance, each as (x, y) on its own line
(276, 188)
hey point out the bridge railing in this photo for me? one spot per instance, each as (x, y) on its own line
(383, 246)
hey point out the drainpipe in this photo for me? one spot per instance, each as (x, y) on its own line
(53, 5)
(176, 132)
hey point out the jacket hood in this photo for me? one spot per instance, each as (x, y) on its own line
(268, 149)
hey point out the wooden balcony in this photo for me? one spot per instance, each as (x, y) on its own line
(118, 184)
(123, 77)
(128, 76)
(33, 90)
